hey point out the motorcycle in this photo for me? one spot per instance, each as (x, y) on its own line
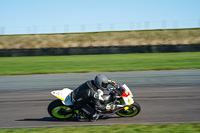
(62, 108)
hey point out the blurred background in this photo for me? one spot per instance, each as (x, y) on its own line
(100, 27)
(29, 24)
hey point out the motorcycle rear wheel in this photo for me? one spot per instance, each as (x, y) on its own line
(58, 110)
(132, 110)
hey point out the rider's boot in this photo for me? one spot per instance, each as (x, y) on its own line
(94, 117)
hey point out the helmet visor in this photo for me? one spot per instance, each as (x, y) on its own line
(104, 85)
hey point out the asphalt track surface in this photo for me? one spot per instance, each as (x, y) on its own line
(165, 97)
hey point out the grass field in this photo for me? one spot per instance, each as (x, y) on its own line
(145, 128)
(98, 63)
(110, 38)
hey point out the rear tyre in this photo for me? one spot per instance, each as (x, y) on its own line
(58, 110)
(131, 111)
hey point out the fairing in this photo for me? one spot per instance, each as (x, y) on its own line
(64, 95)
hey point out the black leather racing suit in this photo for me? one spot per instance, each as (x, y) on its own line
(86, 98)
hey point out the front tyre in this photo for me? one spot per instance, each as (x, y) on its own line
(58, 110)
(130, 111)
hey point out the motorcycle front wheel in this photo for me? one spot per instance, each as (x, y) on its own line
(58, 110)
(130, 111)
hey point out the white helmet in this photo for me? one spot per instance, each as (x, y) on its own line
(101, 81)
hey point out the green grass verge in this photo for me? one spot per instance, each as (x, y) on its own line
(98, 63)
(145, 128)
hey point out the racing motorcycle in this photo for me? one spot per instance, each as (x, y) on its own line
(62, 108)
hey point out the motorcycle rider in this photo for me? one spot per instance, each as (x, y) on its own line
(88, 97)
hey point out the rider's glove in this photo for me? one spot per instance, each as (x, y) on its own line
(111, 82)
(111, 107)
